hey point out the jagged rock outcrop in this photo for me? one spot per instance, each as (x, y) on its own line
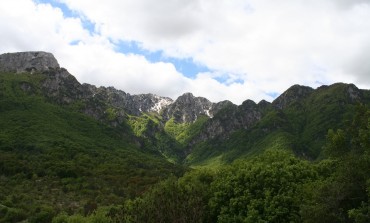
(151, 102)
(108, 103)
(58, 84)
(62, 87)
(264, 104)
(216, 107)
(28, 62)
(131, 104)
(230, 119)
(187, 108)
(297, 111)
(354, 93)
(294, 94)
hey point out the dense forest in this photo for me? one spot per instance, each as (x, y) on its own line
(275, 186)
(307, 162)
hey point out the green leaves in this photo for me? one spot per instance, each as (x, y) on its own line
(55, 158)
(337, 143)
(172, 200)
(342, 193)
(264, 189)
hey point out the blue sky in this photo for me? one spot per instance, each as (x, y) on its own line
(185, 66)
(222, 50)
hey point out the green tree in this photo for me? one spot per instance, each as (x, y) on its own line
(342, 195)
(264, 189)
(173, 200)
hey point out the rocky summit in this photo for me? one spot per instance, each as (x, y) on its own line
(178, 128)
(61, 86)
(28, 62)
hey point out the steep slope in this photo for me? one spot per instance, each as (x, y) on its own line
(192, 129)
(28, 62)
(73, 147)
(56, 154)
(298, 120)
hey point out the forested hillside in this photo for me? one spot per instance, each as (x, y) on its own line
(72, 152)
(56, 159)
(275, 186)
(298, 121)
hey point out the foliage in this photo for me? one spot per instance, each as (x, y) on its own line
(142, 125)
(153, 138)
(54, 159)
(173, 200)
(301, 127)
(98, 216)
(59, 165)
(344, 195)
(265, 189)
(274, 186)
(183, 132)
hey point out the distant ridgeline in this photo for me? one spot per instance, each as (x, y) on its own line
(191, 129)
(99, 145)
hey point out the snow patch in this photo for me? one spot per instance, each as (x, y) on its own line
(161, 103)
(206, 111)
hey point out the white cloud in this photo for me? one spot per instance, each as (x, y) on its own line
(271, 44)
(262, 46)
(91, 58)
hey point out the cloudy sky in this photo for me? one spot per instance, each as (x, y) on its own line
(219, 49)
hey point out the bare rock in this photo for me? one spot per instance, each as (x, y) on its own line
(28, 62)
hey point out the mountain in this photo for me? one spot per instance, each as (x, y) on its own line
(178, 127)
(77, 145)
(190, 129)
(63, 147)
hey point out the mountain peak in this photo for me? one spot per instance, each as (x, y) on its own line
(28, 62)
(187, 108)
(293, 94)
(187, 94)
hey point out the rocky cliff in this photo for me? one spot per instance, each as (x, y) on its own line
(110, 104)
(293, 94)
(62, 87)
(28, 62)
(188, 108)
(178, 126)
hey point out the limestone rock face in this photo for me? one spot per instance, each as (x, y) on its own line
(354, 93)
(187, 108)
(225, 120)
(130, 104)
(62, 87)
(28, 62)
(231, 118)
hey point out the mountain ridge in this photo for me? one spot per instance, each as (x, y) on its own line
(69, 148)
(40, 61)
(178, 127)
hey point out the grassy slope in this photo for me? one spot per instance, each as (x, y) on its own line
(53, 158)
(171, 139)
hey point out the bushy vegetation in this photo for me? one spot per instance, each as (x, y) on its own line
(274, 186)
(54, 159)
(59, 165)
(154, 138)
(343, 195)
(300, 127)
(171, 139)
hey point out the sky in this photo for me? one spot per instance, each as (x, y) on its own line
(219, 49)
